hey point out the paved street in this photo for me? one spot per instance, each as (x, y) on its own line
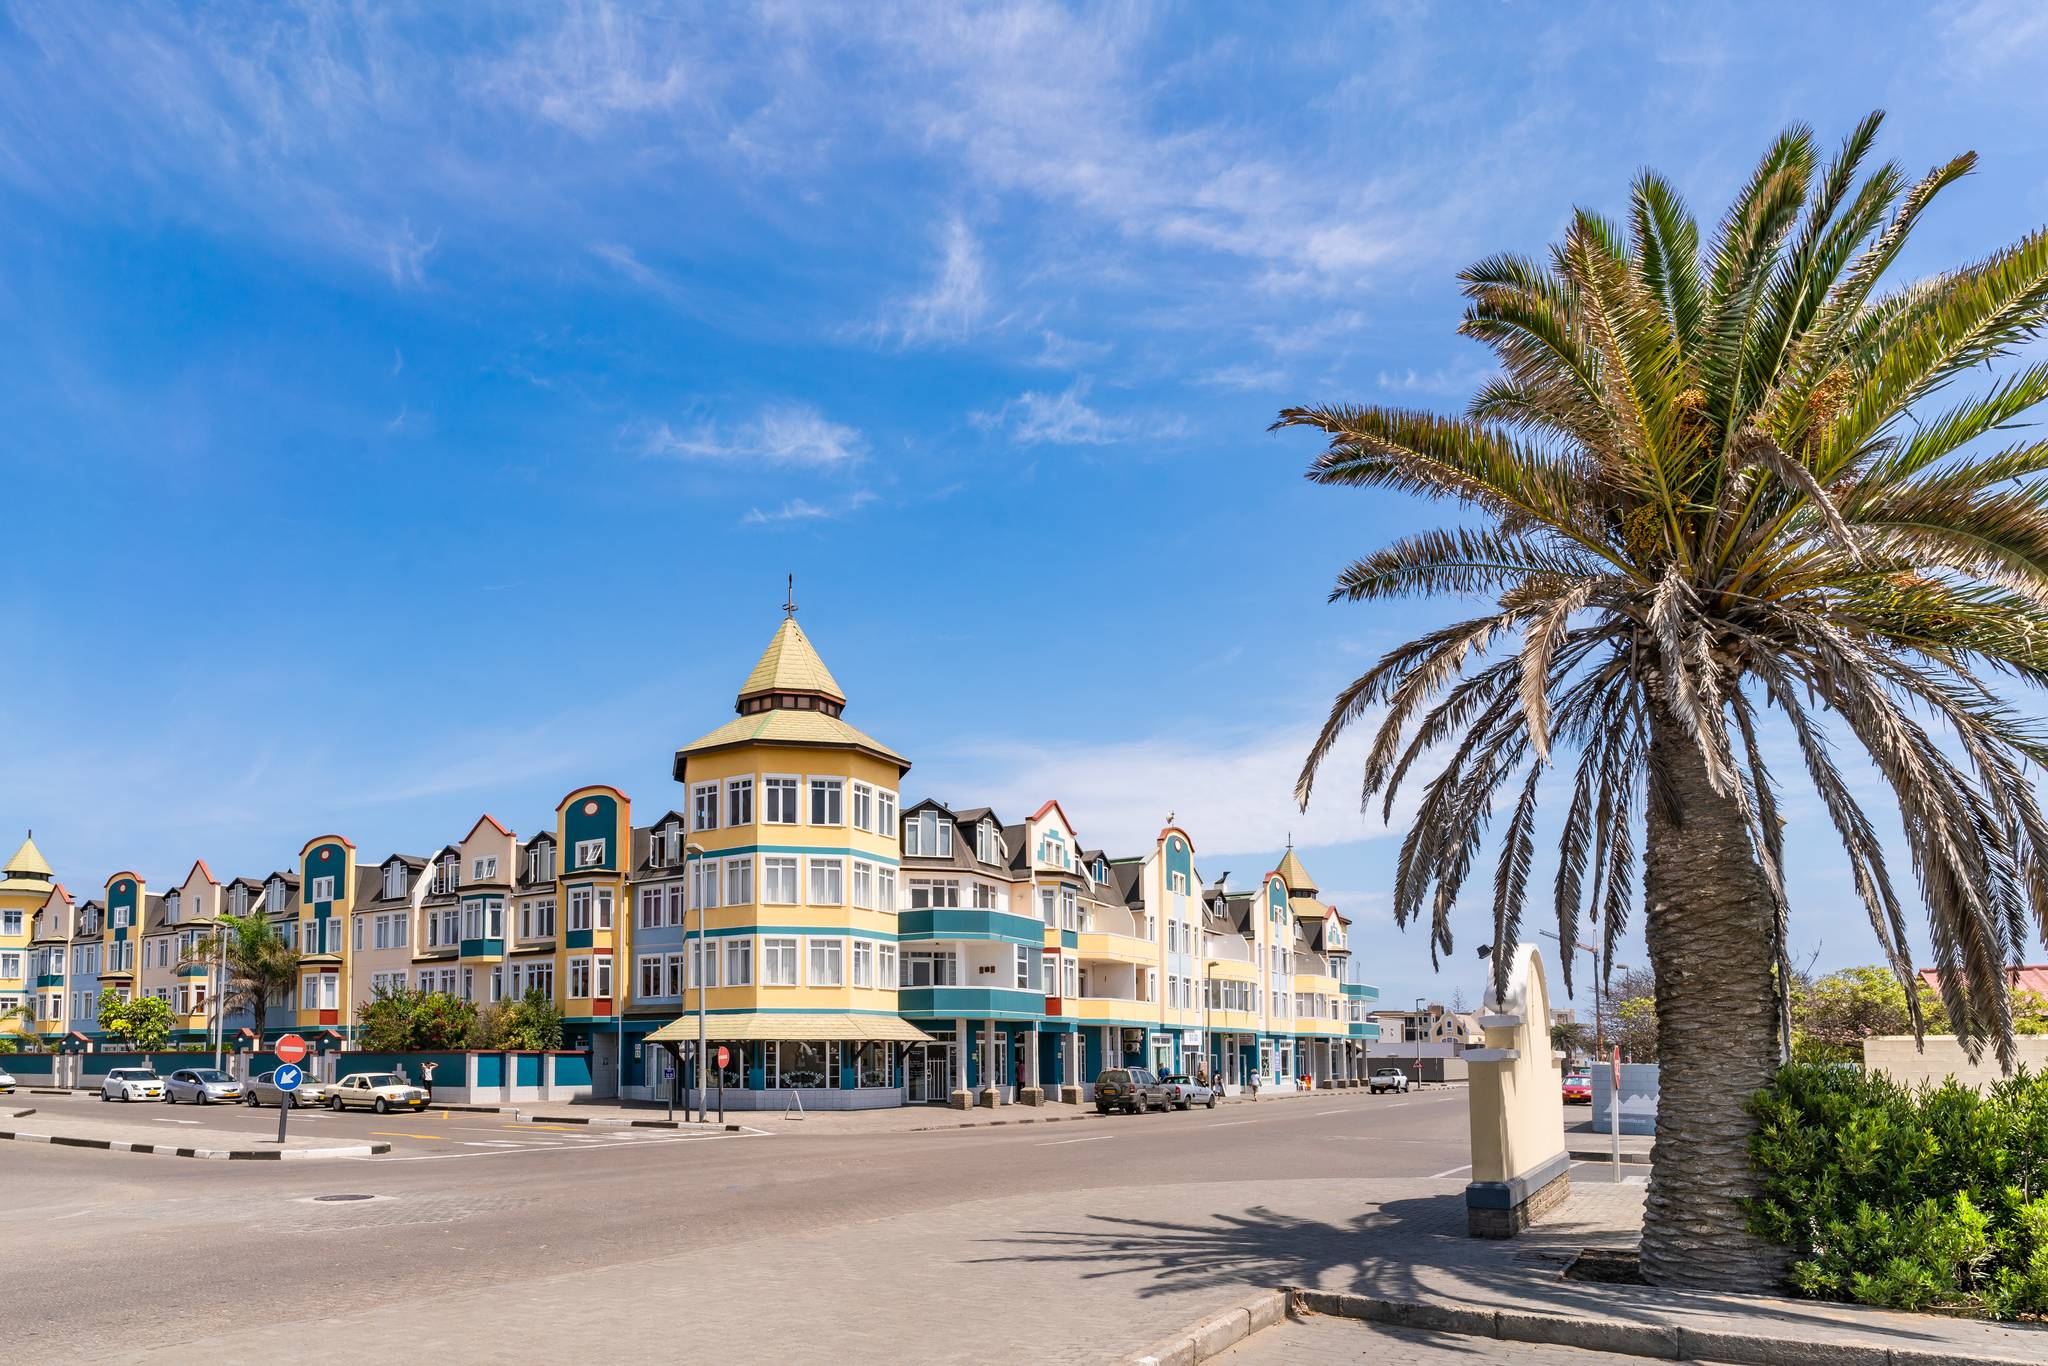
(786, 1246)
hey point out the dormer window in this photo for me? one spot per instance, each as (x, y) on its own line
(277, 894)
(447, 876)
(1102, 874)
(483, 869)
(1052, 849)
(171, 908)
(394, 880)
(238, 901)
(928, 835)
(540, 862)
(987, 847)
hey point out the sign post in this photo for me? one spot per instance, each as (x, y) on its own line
(291, 1051)
(1614, 1113)
(723, 1058)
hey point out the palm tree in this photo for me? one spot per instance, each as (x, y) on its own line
(22, 1016)
(1707, 485)
(260, 966)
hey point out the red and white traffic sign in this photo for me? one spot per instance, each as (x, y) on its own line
(291, 1048)
(723, 1056)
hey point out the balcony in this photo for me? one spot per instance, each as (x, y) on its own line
(1108, 1009)
(1116, 948)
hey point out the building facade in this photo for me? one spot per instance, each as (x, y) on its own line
(844, 948)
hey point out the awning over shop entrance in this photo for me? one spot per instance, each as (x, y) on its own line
(771, 1028)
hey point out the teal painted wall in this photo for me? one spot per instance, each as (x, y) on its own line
(490, 1069)
(572, 1069)
(335, 865)
(970, 924)
(1180, 859)
(970, 1003)
(526, 1069)
(449, 1071)
(600, 824)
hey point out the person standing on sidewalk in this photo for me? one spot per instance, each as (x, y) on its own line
(427, 1071)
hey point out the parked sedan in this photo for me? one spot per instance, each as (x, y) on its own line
(201, 1086)
(1388, 1079)
(1184, 1092)
(1578, 1088)
(263, 1091)
(382, 1092)
(6, 1081)
(131, 1083)
(1130, 1089)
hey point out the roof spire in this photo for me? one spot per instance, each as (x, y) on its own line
(789, 604)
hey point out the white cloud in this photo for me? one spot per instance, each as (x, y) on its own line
(598, 64)
(1065, 353)
(1062, 419)
(623, 260)
(795, 510)
(781, 434)
(956, 301)
(1245, 377)
(1230, 792)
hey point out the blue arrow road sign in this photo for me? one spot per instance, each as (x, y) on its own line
(288, 1078)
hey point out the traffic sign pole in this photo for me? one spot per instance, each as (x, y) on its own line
(291, 1051)
(284, 1108)
(1614, 1113)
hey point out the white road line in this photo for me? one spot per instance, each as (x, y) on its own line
(1345, 1111)
(1092, 1138)
(510, 1152)
(1452, 1172)
(1230, 1123)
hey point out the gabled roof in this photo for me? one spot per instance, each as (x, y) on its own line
(487, 817)
(790, 665)
(199, 866)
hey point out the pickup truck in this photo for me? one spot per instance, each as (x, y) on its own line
(1388, 1079)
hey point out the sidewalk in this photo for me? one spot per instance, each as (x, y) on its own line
(136, 1135)
(1588, 1144)
(906, 1119)
(1423, 1273)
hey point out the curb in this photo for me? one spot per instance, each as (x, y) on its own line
(1216, 1334)
(1066, 1119)
(608, 1122)
(216, 1154)
(21, 1114)
(1627, 1159)
(1663, 1342)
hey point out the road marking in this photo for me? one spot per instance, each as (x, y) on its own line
(1345, 1111)
(175, 1121)
(1452, 1172)
(1230, 1123)
(1092, 1138)
(527, 1148)
(390, 1133)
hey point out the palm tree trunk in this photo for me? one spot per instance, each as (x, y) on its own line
(1708, 929)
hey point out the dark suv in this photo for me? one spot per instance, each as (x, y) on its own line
(1130, 1089)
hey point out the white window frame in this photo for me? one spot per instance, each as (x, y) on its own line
(739, 961)
(825, 882)
(323, 890)
(780, 785)
(863, 962)
(579, 967)
(828, 791)
(483, 868)
(780, 961)
(773, 868)
(590, 853)
(704, 803)
(825, 962)
(861, 806)
(739, 800)
(739, 881)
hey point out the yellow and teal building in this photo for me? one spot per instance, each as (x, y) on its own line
(848, 949)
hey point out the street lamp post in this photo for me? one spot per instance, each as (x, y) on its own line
(696, 850)
(1599, 1038)
(1418, 1038)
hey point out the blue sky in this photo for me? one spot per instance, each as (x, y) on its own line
(411, 415)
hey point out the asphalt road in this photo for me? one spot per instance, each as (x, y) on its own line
(123, 1252)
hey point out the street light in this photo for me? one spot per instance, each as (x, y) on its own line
(1599, 1046)
(1418, 1038)
(699, 851)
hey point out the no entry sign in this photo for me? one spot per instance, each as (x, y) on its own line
(723, 1056)
(291, 1048)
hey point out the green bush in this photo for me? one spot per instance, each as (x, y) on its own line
(1911, 1199)
(408, 1021)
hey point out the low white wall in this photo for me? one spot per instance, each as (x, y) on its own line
(1906, 1062)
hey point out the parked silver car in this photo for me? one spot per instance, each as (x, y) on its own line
(131, 1083)
(1184, 1092)
(263, 1091)
(201, 1086)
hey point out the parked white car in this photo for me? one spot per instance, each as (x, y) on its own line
(132, 1083)
(6, 1081)
(1388, 1079)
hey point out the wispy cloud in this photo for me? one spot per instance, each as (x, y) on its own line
(623, 260)
(780, 434)
(1062, 419)
(950, 309)
(1066, 353)
(804, 510)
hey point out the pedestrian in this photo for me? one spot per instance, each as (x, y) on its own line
(427, 1071)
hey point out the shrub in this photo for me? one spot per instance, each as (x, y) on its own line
(405, 1021)
(1911, 1199)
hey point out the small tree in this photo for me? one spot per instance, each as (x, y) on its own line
(533, 1023)
(143, 1022)
(404, 1021)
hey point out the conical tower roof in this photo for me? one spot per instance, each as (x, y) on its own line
(27, 864)
(1299, 883)
(790, 667)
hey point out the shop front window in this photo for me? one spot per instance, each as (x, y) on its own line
(804, 1063)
